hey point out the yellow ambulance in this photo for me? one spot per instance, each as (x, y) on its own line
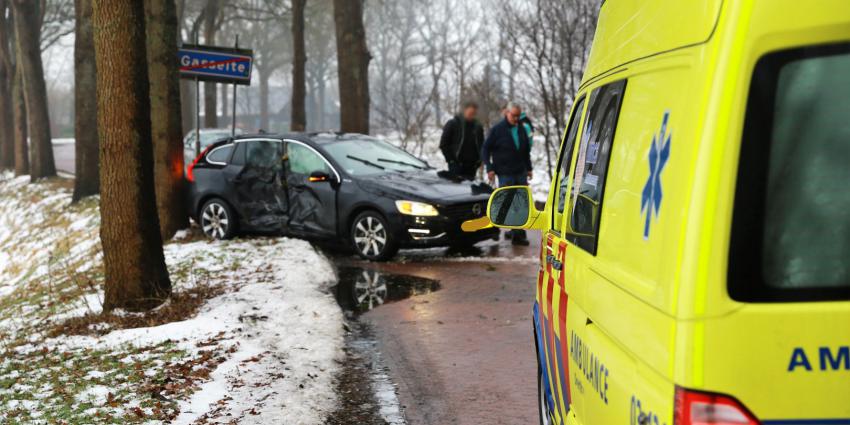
(695, 264)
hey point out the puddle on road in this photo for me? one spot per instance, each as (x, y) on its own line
(360, 290)
(367, 395)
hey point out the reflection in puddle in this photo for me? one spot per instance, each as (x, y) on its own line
(360, 290)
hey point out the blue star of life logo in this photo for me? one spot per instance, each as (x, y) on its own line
(659, 153)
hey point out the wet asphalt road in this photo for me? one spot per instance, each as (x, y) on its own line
(462, 353)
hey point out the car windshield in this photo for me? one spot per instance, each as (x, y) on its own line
(212, 137)
(361, 157)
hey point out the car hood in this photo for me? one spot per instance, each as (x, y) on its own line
(424, 186)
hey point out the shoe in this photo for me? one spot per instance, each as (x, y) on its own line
(519, 242)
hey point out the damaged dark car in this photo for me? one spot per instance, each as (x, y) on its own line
(332, 187)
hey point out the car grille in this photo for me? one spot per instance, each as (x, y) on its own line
(464, 211)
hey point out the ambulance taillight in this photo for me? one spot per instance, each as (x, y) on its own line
(702, 408)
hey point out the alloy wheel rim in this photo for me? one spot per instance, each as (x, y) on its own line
(370, 236)
(370, 290)
(214, 221)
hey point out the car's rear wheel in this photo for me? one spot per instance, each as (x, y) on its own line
(371, 237)
(217, 220)
(545, 418)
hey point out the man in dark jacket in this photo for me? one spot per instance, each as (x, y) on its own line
(507, 154)
(461, 142)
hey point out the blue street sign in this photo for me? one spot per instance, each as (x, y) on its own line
(217, 64)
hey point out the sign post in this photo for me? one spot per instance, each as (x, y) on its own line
(214, 64)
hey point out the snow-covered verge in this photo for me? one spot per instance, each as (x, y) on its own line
(262, 345)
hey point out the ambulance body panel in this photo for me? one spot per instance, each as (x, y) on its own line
(672, 276)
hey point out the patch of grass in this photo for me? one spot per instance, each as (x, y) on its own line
(182, 305)
(114, 386)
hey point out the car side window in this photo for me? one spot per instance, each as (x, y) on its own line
(592, 164)
(238, 157)
(220, 155)
(563, 177)
(263, 154)
(303, 160)
(790, 236)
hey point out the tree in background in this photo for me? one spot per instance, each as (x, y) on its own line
(135, 274)
(166, 121)
(211, 21)
(19, 116)
(28, 20)
(352, 66)
(7, 75)
(87, 167)
(554, 39)
(299, 60)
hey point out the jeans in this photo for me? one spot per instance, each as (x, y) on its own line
(514, 180)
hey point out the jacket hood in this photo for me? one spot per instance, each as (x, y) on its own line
(424, 186)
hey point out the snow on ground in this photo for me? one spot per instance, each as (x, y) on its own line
(264, 349)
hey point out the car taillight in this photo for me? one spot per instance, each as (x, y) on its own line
(701, 408)
(189, 171)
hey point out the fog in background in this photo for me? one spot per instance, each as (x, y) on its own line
(428, 57)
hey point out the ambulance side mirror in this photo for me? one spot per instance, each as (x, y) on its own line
(513, 208)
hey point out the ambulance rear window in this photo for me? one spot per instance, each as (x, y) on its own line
(791, 222)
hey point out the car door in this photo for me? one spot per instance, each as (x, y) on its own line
(552, 323)
(312, 189)
(256, 175)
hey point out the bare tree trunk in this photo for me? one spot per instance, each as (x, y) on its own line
(264, 99)
(87, 174)
(211, 13)
(299, 61)
(134, 264)
(166, 122)
(7, 75)
(187, 105)
(27, 35)
(19, 115)
(223, 90)
(353, 66)
(7, 138)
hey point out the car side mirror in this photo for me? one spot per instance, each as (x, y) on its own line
(318, 177)
(513, 208)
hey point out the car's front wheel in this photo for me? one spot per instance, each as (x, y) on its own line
(217, 220)
(371, 237)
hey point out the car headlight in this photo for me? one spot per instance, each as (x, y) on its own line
(416, 208)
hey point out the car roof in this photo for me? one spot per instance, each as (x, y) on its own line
(318, 138)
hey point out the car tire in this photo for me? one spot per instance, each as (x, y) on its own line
(542, 409)
(371, 237)
(217, 220)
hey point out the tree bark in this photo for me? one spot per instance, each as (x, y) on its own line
(87, 167)
(134, 264)
(353, 66)
(166, 121)
(7, 138)
(7, 75)
(187, 102)
(264, 99)
(19, 116)
(27, 35)
(211, 13)
(299, 61)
